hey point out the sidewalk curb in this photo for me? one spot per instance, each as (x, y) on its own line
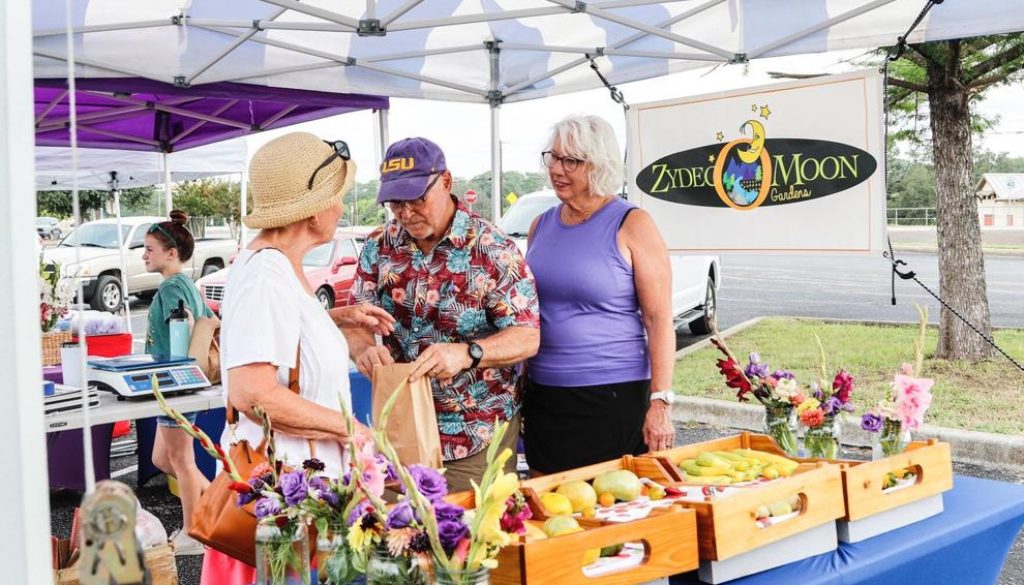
(968, 446)
(930, 249)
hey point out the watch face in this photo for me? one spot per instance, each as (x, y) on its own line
(475, 351)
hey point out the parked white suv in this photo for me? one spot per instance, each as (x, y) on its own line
(100, 248)
(695, 279)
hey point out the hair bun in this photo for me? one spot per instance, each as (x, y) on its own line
(179, 217)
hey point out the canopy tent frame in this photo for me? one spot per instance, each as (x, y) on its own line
(242, 32)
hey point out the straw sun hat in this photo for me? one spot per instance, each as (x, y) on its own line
(279, 178)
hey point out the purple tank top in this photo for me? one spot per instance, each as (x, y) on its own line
(590, 327)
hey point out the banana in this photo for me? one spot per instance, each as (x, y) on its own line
(697, 470)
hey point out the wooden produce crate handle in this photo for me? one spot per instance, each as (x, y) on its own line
(561, 557)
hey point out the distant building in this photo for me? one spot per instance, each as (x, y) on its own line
(1001, 200)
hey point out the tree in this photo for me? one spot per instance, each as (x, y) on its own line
(952, 75)
(211, 198)
(93, 203)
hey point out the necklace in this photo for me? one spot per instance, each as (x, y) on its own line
(583, 217)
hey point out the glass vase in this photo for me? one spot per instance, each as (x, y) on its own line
(387, 569)
(780, 425)
(333, 557)
(890, 440)
(282, 554)
(479, 576)
(823, 442)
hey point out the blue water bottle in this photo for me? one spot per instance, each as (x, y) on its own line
(179, 333)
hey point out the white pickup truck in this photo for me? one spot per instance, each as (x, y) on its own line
(695, 279)
(100, 247)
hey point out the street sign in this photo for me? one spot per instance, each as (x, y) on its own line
(470, 196)
(511, 197)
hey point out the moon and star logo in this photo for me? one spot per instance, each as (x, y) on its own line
(753, 170)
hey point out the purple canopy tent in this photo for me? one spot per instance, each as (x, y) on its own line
(140, 114)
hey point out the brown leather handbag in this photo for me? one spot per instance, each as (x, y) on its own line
(218, 521)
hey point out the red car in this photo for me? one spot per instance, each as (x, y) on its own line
(330, 269)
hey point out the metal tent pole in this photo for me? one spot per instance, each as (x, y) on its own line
(116, 190)
(168, 197)
(495, 98)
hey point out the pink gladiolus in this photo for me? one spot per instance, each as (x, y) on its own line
(374, 473)
(913, 397)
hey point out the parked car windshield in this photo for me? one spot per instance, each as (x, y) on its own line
(45, 221)
(319, 256)
(517, 220)
(96, 235)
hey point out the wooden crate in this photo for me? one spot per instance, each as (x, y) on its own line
(726, 525)
(669, 536)
(159, 560)
(863, 481)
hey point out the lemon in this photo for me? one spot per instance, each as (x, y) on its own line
(556, 504)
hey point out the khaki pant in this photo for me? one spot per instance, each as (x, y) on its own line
(460, 471)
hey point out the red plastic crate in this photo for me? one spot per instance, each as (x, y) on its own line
(113, 345)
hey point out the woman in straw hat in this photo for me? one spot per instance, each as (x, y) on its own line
(273, 322)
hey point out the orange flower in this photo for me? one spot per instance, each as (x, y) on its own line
(813, 417)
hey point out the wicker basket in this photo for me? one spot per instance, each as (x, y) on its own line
(52, 341)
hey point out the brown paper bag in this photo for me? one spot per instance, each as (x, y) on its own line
(412, 426)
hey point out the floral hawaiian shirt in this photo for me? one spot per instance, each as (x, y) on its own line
(474, 283)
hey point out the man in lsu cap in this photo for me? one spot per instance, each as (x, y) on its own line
(463, 299)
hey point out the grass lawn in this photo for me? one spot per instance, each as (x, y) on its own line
(984, 396)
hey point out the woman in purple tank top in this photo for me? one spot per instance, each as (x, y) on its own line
(601, 384)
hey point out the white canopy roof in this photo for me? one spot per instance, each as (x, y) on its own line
(135, 168)
(442, 49)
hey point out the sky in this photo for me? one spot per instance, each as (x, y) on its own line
(463, 130)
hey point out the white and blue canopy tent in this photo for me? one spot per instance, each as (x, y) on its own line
(484, 51)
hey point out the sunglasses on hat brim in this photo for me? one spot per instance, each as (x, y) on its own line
(340, 151)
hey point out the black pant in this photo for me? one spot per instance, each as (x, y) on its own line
(569, 427)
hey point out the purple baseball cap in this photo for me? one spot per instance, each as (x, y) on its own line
(407, 168)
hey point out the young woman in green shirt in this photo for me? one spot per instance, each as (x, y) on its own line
(168, 246)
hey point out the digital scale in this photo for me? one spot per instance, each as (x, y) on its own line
(132, 376)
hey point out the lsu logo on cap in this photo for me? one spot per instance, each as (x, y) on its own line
(397, 164)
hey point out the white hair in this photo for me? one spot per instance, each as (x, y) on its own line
(591, 139)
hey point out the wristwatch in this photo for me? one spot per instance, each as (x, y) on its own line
(476, 351)
(666, 396)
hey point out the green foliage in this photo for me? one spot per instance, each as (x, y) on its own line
(210, 198)
(981, 63)
(59, 204)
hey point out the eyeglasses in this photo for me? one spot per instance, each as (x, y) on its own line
(158, 228)
(340, 151)
(417, 203)
(569, 163)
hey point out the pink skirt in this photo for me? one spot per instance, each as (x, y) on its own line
(220, 569)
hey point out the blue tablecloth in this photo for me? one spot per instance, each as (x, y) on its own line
(965, 545)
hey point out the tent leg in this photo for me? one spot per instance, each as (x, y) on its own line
(495, 163)
(381, 140)
(124, 264)
(24, 542)
(244, 207)
(167, 185)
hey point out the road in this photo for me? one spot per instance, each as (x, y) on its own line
(852, 288)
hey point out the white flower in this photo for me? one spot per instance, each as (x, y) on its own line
(786, 389)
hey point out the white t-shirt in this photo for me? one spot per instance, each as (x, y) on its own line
(265, 313)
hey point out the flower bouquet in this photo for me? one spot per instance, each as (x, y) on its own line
(55, 295)
(777, 391)
(819, 413)
(892, 419)
(459, 544)
(287, 501)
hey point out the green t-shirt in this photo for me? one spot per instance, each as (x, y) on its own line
(173, 289)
